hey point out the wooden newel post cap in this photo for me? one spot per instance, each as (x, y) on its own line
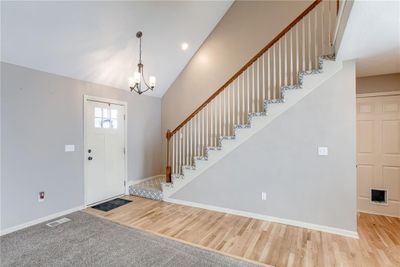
(168, 135)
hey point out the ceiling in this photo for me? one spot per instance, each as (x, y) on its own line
(372, 37)
(95, 41)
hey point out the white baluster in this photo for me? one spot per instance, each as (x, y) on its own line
(329, 24)
(233, 104)
(203, 132)
(243, 100)
(229, 110)
(297, 52)
(317, 35)
(184, 145)
(325, 37)
(180, 150)
(211, 124)
(263, 82)
(311, 39)
(220, 115)
(192, 154)
(188, 154)
(238, 101)
(258, 85)
(216, 102)
(252, 88)
(194, 136)
(279, 44)
(303, 45)
(199, 131)
(285, 59)
(269, 85)
(177, 153)
(274, 71)
(291, 33)
(213, 117)
(248, 91)
(224, 111)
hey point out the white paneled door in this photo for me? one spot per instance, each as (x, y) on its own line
(104, 151)
(378, 153)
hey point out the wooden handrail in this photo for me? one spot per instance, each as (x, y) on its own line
(248, 64)
(337, 7)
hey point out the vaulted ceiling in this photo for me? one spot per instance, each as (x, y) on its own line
(372, 37)
(95, 41)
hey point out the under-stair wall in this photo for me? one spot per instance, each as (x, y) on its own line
(302, 188)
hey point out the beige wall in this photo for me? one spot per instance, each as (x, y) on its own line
(379, 83)
(242, 32)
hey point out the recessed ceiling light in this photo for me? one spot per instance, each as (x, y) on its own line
(184, 46)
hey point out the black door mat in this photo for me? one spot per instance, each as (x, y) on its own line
(112, 204)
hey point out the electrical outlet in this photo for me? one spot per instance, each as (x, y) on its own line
(41, 197)
(263, 195)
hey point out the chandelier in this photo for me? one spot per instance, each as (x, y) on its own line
(136, 82)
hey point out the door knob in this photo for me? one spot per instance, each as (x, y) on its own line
(89, 158)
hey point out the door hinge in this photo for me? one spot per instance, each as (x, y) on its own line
(124, 183)
(124, 151)
(124, 116)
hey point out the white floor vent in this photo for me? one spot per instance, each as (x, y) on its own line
(58, 222)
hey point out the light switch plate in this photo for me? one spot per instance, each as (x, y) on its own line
(322, 151)
(263, 195)
(69, 148)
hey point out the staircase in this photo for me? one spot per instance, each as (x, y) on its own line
(293, 64)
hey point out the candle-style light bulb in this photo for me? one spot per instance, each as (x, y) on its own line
(136, 77)
(131, 82)
(152, 81)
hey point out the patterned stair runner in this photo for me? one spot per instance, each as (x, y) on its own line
(148, 189)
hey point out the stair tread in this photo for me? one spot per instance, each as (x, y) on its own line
(148, 189)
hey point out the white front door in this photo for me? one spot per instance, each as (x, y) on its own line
(105, 151)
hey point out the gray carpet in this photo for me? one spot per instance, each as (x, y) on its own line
(91, 241)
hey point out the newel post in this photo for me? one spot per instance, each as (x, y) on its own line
(168, 135)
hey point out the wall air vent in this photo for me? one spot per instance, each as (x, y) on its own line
(379, 196)
(58, 222)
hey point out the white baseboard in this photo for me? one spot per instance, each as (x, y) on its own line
(322, 228)
(130, 182)
(377, 213)
(40, 220)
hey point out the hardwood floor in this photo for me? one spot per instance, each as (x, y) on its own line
(262, 241)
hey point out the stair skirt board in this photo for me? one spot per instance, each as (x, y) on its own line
(291, 95)
(311, 226)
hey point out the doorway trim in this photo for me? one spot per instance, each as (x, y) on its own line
(87, 98)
